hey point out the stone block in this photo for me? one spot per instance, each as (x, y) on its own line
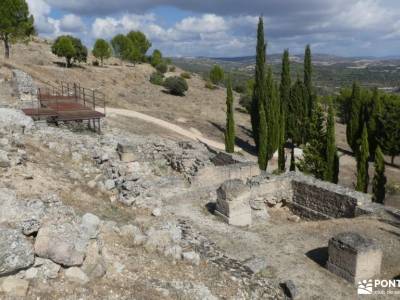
(127, 157)
(354, 257)
(233, 205)
(126, 152)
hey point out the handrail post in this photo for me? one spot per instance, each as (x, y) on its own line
(94, 101)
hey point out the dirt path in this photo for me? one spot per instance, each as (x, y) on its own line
(191, 133)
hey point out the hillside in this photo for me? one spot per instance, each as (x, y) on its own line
(331, 72)
(127, 86)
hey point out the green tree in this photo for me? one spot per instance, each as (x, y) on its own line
(156, 58)
(362, 163)
(132, 53)
(314, 155)
(332, 159)
(308, 81)
(262, 137)
(230, 121)
(374, 126)
(259, 92)
(139, 42)
(281, 148)
(272, 113)
(390, 132)
(102, 50)
(297, 113)
(15, 22)
(286, 84)
(216, 74)
(81, 51)
(355, 121)
(63, 47)
(379, 181)
(119, 44)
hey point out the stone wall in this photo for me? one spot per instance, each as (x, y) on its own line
(216, 175)
(25, 87)
(310, 198)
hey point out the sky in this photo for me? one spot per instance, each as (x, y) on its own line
(227, 28)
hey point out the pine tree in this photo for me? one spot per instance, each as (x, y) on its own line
(331, 171)
(292, 167)
(230, 122)
(308, 81)
(362, 163)
(285, 85)
(354, 124)
(281, 148)
(272, 114)
(314, 155)
(259, 93)
(379, 181)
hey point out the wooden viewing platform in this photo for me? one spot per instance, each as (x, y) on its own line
(68, 102)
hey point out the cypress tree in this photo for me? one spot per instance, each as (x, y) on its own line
(331, 171)
(272, 114)
(262, 137)
(259, 93)
(314, 156)
(308, 81)
(297, 113)
(230, 122)
(292, 167)
(362, 163)
(354, 124)
(379, 181)
(374, 124)
(281, 149)
(285, 85)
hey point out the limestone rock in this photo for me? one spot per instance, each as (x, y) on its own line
(174, 251)
(94, 265)
(289, 288)
(16, 252)
(76, 275)
(90, 225)
(156, 212)
(191, 257)
(109, 184)
(47, 269)
(30, 227)
(62, 243)
(15, 287)
(256, 264)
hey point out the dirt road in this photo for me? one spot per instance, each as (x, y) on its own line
(191, 134)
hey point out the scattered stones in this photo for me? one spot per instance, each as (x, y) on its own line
(256, 264)
(294, 218)
(16, 252)
(289, 288)
(90, 225)
(174, 251)
(76, 275)
(191, 257)
(354, 257)
(109, 184)
(14, 287)
(156, 212)
(30, 227)
(233, 203)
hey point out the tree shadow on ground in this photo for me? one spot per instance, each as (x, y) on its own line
(319, 255)
(245, 145)
(63, 65)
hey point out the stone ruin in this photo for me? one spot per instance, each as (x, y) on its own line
(25, 87)
(354, 257)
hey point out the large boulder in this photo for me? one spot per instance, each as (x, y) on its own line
(64, 244)
(16, 252)
(15, 120)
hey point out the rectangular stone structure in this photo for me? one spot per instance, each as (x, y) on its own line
(233, 204)
(126, 152)
(353, 257)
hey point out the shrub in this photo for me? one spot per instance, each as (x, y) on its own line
(216, 74)
(172, 68)
(96, 63)
(209, 85)
(157, 78)
(156, 58)
(186, 75)
(176, 85)
(162, 68)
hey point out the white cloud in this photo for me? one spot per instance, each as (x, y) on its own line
(71, 23)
